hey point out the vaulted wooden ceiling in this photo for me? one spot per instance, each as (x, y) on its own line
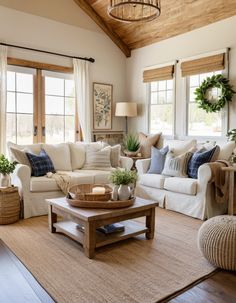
(177, 17)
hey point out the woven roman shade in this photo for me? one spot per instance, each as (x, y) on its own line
(203, 65)
(158, 74)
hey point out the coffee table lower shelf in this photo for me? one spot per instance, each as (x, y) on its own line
(132, 229)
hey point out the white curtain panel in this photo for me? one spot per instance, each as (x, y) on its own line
(81, 77)
(3, 97)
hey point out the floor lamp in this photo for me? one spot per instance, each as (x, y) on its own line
(126, 109)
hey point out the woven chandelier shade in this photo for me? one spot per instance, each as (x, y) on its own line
(134, 10)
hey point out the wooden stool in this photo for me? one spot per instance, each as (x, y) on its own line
(9, 205)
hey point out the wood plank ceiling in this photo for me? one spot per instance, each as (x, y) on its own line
(177, 17)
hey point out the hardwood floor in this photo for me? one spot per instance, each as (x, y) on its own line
(219, 288)
(17, 285)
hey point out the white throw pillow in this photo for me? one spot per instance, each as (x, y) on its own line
(176, 165)
(34, 148)
(115, 155)
(20, 156)
(97, 159)
(59, 154)
(226, 151)
(180, 147)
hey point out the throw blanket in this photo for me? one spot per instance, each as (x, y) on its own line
(64, 181)
(220, 181)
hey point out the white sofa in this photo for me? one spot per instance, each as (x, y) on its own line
(192, 197)
(68, 158)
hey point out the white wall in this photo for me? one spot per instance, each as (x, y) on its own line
(37, 32)
(210, 38)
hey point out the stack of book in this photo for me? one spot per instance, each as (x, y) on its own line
(107, 229)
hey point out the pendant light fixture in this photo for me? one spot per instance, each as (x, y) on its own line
(134, 10)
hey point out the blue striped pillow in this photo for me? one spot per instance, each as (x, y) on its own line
(199, 158)
(41, 164)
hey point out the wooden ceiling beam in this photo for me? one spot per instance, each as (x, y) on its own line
(104, 26)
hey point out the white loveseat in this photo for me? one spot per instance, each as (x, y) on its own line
(193, 197)
(68, 158)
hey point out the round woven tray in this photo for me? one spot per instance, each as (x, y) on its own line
(100, 204)
(83, 192)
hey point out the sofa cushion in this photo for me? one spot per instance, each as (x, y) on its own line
(158, 157)
(146, 143)
(77, 153)
(40, 184)
(40, 164)
(20, 156)
(152, 180)
(176, 166)
(180, 146)
(34, 148)
(181, 185)
(60, 155)
(99, 176)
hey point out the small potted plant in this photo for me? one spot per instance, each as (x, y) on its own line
(131, 145)
(6, 168)
(123, 179)
(232, 135)
(233, 159)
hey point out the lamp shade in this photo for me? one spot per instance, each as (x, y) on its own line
(126, 109)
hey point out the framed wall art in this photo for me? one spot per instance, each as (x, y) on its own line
(102, 106)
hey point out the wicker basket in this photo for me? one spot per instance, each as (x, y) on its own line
(9, 205)
(83, 192)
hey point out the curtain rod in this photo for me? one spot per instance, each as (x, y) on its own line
(47, 52)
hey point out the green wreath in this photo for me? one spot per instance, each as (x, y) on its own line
(216, 81)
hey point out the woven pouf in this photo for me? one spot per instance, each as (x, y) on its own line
(217, 241)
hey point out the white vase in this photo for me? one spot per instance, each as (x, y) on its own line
(132, 188)
(115, 193)
(5, 181)
(124, 192)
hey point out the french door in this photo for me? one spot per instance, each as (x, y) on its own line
(41, 106)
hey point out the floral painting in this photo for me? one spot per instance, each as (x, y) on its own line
(102, 106)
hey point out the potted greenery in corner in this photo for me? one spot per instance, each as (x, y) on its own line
(231, 135)
(123, 180)
(6, 168)
(131, 145)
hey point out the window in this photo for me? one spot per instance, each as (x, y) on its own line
(201, 123)
(59, 109)
(40, 106)
(161, 107)
(20, 107)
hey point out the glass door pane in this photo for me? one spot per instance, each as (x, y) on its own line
(20, 106)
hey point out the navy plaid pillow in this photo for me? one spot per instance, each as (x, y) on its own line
(41, 164)
(199, 158)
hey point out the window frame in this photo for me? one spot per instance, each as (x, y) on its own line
(148, 89)
(224, 115)
(39, 94)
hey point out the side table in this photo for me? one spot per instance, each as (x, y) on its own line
(135, 159)
(9, 205)
(231, 170)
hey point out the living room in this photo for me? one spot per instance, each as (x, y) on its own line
(118, 140)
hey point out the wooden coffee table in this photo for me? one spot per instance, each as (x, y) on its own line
(91, 219)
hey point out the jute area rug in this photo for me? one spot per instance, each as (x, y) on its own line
(136, 270)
